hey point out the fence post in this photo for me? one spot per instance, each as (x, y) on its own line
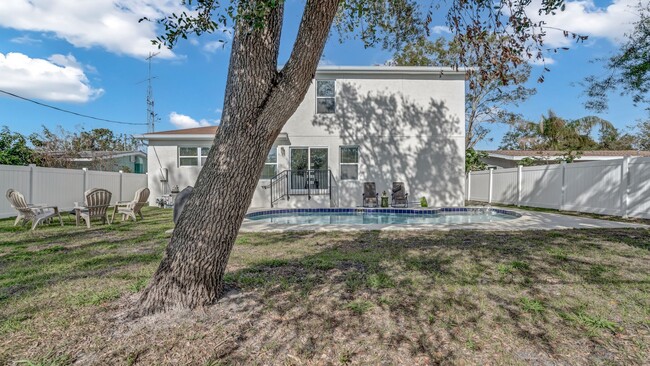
(563, 193)
(121, 184)
(490, 188)
(469, 185)
(31, 182)
(519, 175)
(625, 186)
(85, 183)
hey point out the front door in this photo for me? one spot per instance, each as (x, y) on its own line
(309, 169)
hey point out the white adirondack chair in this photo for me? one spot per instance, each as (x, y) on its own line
(35, 213)
(129, 209)
(97, 201)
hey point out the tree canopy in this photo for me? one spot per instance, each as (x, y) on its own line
(500, 34)
(556, 133)
(628, 70)
(14, 149)
(57, 148)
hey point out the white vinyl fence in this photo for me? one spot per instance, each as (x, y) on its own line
(64, 187)
(618, 187)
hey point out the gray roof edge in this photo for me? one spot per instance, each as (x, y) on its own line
(393, 69)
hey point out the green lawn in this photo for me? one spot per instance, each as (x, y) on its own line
(403, 298)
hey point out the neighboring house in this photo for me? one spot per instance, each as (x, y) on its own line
(356, 124)
(512, 158)
(109, 161)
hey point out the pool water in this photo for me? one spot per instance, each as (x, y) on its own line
(381, 216)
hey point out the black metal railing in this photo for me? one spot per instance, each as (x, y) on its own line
(308, 183)
(279, 186)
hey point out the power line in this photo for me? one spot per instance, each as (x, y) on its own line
(71, 112)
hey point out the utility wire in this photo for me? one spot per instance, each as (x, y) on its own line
(71, 112)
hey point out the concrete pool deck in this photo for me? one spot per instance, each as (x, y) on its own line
(529, 220)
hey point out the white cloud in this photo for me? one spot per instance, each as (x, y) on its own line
(66, 61)
(547, 61)
(25, 39)
(60, 78)
(110, 24)
(183, 121)
(440, 29)
(214, 46)
(585, 18)
(326, 62)
(223, 34)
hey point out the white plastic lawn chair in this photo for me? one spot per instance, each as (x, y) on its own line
(26, 213)
(97, 201)
(129, 209)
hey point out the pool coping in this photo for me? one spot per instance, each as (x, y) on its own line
(419, 211)
(527, 220)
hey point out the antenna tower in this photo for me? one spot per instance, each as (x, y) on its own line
(151, 115)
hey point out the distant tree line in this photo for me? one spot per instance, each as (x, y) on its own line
(553, 132)
(57, 149)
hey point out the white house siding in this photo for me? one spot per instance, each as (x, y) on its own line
(164, 154)
(409, 127)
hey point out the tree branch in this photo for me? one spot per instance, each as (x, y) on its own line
(312, 35)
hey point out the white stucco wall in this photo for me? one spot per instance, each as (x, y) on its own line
(409, 128)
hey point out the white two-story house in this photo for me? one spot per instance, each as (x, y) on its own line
(355, 125)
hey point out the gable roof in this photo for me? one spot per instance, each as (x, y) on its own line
(207, 130)
(196, 133)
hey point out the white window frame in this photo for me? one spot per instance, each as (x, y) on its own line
(197, 157)
(317, 97)
(274, 164)
(341, 163)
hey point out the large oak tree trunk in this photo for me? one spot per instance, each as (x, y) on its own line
(258, 102)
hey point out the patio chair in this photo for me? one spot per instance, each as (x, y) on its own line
(370, 195)
(35, 214)
(399, 197)
(19, 216)
(96, 203)
(132, 208)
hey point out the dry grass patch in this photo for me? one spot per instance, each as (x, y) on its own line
(565, 297)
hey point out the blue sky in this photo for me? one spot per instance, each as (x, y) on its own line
(89, 58)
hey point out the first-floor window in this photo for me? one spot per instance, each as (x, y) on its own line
(192, 156)
(204, 154)
(349, 162)
(271, 165)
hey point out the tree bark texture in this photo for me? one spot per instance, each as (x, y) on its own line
(259, 100)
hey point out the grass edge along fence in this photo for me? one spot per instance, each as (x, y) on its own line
(617, 187)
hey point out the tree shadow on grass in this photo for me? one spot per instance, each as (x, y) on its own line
(425, 294)
(52, 254)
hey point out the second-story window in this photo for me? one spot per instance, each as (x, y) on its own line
(325, 96)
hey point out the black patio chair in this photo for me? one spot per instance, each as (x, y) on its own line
(399, 197)
(370, 195)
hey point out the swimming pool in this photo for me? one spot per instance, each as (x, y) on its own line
(381, 216)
